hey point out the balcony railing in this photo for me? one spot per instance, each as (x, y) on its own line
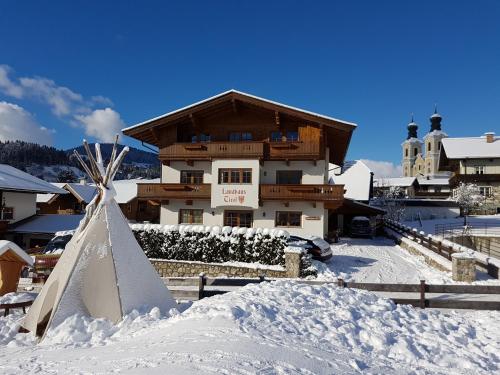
(318, 193)
(238, 150)
(295, 150)
(209, 150)
(173, 191)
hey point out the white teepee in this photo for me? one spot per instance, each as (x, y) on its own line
(102, 272)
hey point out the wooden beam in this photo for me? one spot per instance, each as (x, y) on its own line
(235, 106)
(277, 119)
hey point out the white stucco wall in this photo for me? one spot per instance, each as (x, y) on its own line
(24, 204)
(311, 174)
(235, 195)
(171, 174)
(263, 217)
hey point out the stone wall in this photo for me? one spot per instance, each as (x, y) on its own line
(463, 267)
(179, 268)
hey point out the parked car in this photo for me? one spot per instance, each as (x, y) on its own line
(316, 246)
(361, 227)
(57, 244)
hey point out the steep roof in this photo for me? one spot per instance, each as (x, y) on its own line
(8, 246)
(471, 148)
(395, 181)
(338, 131)
(356, 178)
(82, 192)
(13, 179)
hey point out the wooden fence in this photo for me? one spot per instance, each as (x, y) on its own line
(439, 246)
(444, 296)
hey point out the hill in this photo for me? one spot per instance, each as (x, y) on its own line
(55, 165)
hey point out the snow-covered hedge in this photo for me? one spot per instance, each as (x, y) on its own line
(212, 244)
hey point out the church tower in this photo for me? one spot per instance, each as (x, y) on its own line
(412, 147)
(432, 144)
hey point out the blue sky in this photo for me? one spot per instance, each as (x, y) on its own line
(83, 69)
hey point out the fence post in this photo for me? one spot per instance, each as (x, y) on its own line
(439, 247)
(422, 294)
(340, 282)
(262, 278)
(201, 285)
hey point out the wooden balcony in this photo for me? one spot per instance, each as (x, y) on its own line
(241, 150)
(173, 191)
(319, 193)
(295, 150)
(210, 150)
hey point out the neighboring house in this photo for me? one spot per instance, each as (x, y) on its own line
(475, 160)
(357, 179)
(18, 191)
(408, 186)
(433, 187)
(38, 230)
(80, 194)
(240, 160)
(133, 208)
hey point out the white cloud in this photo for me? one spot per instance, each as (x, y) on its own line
(7, 85)
(18, 124)
(77, 110)
(102, 124)
(383, 168)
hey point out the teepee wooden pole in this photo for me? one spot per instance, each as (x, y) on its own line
(93, 163)
(118, 162)
(84, 165)
(111, 161)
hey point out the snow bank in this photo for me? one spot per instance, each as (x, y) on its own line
(278, 327)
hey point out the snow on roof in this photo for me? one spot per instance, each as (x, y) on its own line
(436, 133)
(83, 192)
(434, 181)
(471, 148)
(241, 93)
(412, 141)
(8, 245)
(45, 198)
(126, 190)
(47, 224)
(12, 179)
(355, 177)
(394, 181)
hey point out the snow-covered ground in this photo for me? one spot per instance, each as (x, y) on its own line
(428, 226)
(271, 328)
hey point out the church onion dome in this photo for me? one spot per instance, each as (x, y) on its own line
(435, 120)
(412, 129)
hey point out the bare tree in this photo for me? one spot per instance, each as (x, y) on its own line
(468, 197)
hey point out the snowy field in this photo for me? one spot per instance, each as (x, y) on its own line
(271, 328)
(380, 260)
(428, 226)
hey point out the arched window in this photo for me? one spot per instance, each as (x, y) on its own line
(416, 151)
(429, 146)
(406, 152)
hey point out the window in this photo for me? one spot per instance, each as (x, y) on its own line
(7, 213)
(190, 216)
(238, 218)
(288, 219)
(191, 177)
(204, 137)
(235, 176)
(406, 152)
(439, 145)
(288, 177)
(429, 146)
(485, 191)
(415, 151)
(236, 137)
(276, 137)
(292, 136)
(479, 169)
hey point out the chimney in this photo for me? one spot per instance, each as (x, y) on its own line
(490, 137)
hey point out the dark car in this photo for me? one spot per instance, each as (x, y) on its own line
(361, 227)
(57, 244)
(316, 246)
